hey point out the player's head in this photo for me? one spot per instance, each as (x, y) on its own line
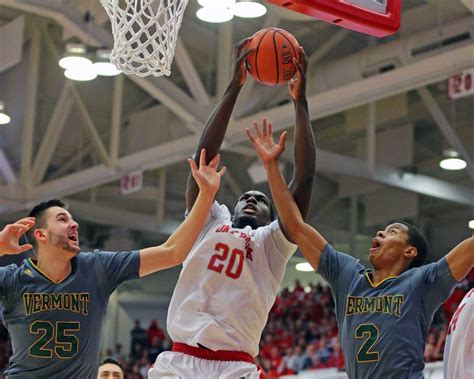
(55, 228)
(110, 368)
(399, 242)
(253, 208)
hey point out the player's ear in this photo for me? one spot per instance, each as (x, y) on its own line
(39, 235)
(410, 252)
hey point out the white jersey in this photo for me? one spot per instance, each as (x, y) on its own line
(459, 347)
(228, 285)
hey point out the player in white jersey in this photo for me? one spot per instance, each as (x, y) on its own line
(231, 277)
(459, 347)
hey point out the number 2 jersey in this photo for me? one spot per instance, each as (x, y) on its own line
(459, 347)
(228, 285)
(383, 327)
(55, 328)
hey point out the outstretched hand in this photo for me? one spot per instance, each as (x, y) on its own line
(10, 236)
(206, 176)
(240, 55)
(297, 85)
(266, 148)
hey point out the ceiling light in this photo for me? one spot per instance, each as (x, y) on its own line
(471, 224)
(103, 66)
(82, 75)
(74, 62)
(249, 9)
(219, 3)
(215, 14)
(74, 57)
(452, 164)
(452, 161)
(4, 117)
(304, 266)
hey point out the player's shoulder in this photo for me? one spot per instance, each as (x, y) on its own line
(11, 269)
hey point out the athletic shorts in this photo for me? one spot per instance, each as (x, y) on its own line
(180, 365)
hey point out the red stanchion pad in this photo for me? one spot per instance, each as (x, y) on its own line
(378, 18)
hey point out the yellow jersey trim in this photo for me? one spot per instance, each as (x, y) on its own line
(46, 276)
(379, 283)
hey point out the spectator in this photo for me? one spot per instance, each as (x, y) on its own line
(155, 331)
(139, 336)
(110, 368)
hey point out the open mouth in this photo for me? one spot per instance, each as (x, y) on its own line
(375, 245)
(73, 237)
(250, 209)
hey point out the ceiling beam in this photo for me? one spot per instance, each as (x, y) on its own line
(402, 79)
(445, 127)
(53, 132)
(6, 169)
(190, 74)
(29, 123)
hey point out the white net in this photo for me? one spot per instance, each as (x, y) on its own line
(145, 33)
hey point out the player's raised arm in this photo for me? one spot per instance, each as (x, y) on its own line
(216, 125)
(10, 236)
(175, 250)
(301, 184)
(310, 242)
(461, 259)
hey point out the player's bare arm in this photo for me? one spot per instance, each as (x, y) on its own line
(461, 259)
(10, 236)
(216, 125)
(305, 236)
(175, 250)
(301, 185)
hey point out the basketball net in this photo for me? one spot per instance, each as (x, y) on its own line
(145, 34)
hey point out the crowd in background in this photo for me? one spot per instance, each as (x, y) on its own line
(301, 334)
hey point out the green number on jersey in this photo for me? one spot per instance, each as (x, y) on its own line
(66, 343)
(371, 334)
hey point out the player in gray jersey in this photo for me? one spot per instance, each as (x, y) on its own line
(383, 313)
(54, 305)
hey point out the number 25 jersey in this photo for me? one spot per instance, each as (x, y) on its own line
(228, 284)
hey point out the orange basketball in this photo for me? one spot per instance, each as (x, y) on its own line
(272, 61)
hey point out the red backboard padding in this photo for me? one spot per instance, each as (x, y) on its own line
(348, 15)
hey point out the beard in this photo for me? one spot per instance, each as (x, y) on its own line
(63, 243)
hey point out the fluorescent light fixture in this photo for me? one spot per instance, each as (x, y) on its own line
(215, 14)
(304, 266)
(471, 224)
(4, 117)
(103, 66)
(452, 164)
(106, 69)
(82, 75)
(249, 9)
(218, 3)
(74, 62)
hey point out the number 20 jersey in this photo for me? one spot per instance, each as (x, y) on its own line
(228, 284)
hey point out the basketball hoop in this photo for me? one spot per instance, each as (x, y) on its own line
(379, 18)
(145, 34)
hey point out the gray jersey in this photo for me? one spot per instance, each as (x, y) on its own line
(55, 328)
(383, 328)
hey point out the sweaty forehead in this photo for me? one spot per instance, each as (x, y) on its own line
(397, 225)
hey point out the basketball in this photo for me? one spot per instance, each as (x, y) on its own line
(272, 61)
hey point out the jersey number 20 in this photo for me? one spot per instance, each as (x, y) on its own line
(66, 344)
(219, 261)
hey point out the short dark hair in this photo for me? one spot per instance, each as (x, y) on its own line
(112, 361)
(418, 240)
(38, 212)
